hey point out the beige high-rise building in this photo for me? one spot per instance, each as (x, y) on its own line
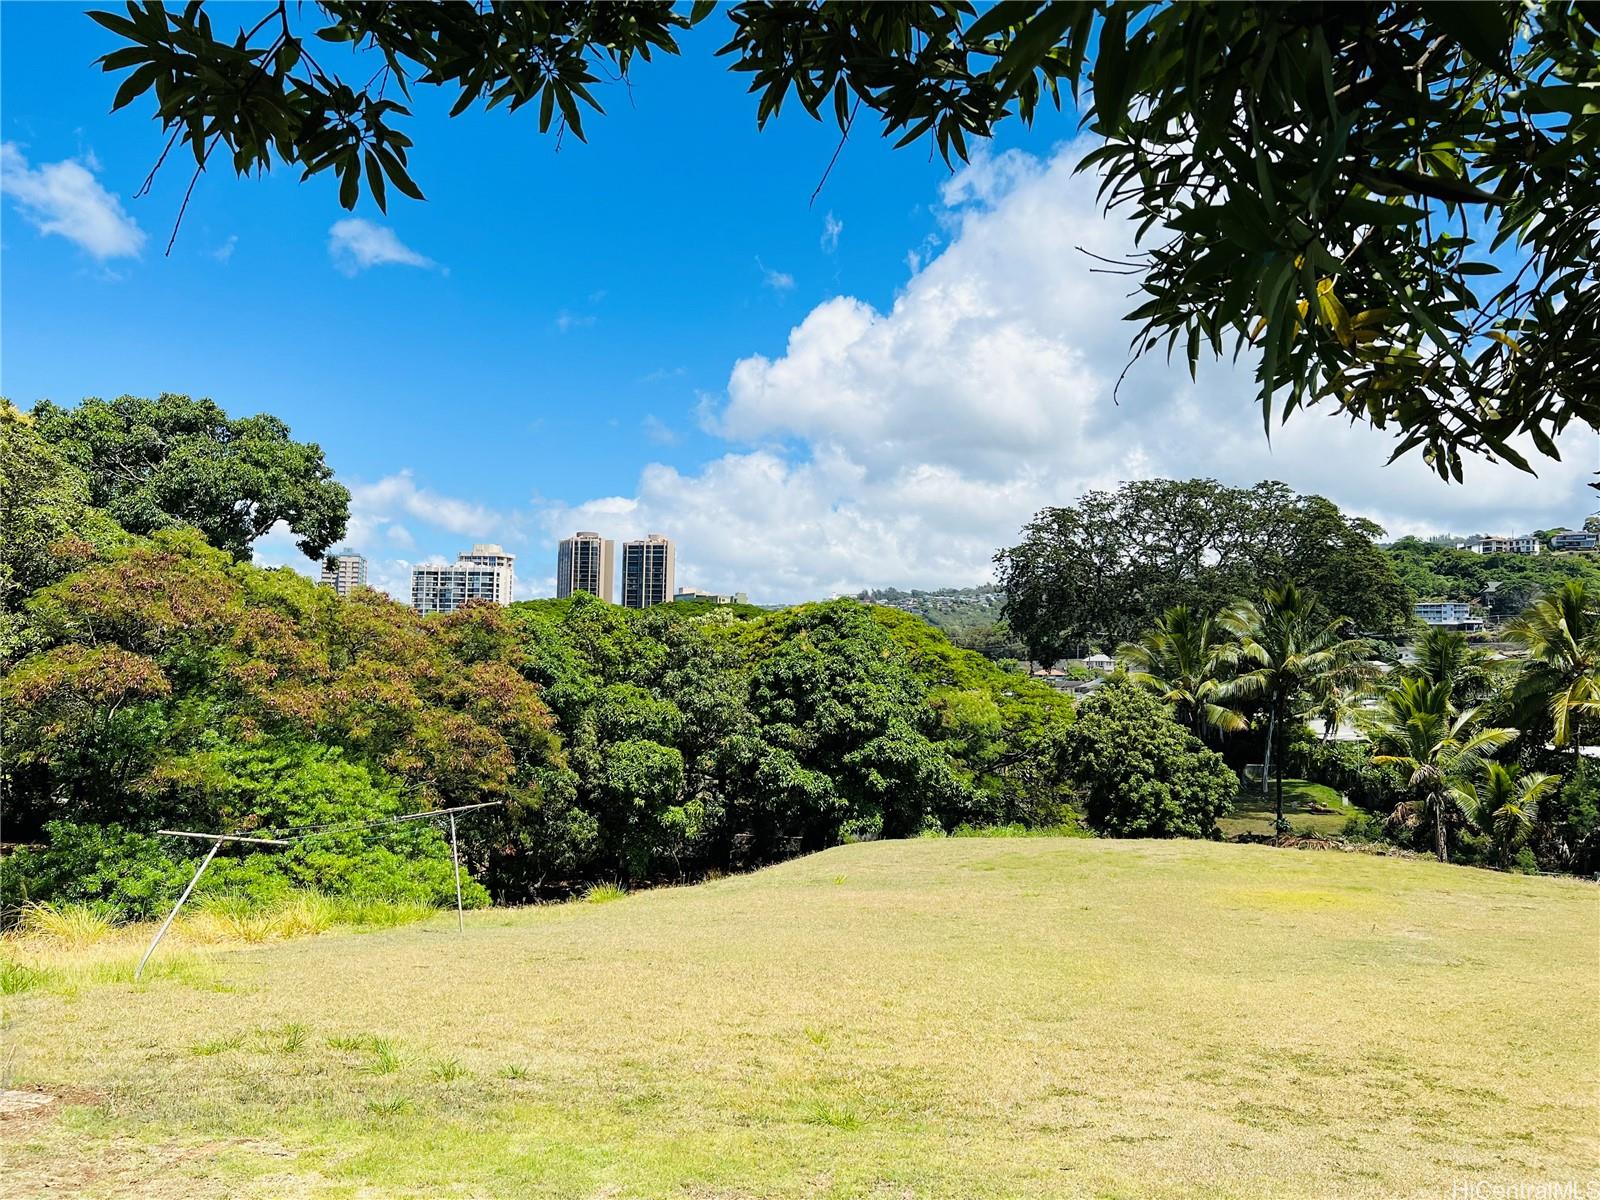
(648, 571)
(344, 572)
(586, 562)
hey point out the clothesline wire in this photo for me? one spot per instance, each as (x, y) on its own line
(300, 833)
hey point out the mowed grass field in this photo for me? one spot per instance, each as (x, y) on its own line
(951, 1018)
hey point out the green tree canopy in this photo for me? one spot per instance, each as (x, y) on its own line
(1392, 201)
(46, 522)
(1105, 568)
(157, 464)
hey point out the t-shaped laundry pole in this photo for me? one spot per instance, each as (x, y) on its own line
(305, 834)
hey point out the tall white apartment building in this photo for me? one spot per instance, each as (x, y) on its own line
(344, 572)
(648, 571)
(586, 562)
(486, 572)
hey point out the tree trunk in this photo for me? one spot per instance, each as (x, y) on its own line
(1440, 845)
(1277, 732)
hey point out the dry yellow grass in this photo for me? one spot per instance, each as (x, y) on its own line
(960, 1018)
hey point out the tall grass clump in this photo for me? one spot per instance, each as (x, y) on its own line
(74, 926)
(298, 913)
(604, 893)
(234, 919)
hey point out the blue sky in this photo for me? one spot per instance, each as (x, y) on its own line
(655, 329)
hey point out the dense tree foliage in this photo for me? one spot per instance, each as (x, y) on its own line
(1104, 569)
(45, 517)
(156, 682)
(1141, 773)
(1331, 184)
(971, 616)
(171, 461)
(1432, 571)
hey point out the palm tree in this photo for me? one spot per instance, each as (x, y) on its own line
(1444, 656)
(1185, 660)
(1561, 677)
(1419, 729)
(1290, 646)
(1506, 805)
(1336, 697)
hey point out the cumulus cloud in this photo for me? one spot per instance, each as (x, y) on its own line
(903, 446)
(355, 245)
(374, 505)
(64, 198)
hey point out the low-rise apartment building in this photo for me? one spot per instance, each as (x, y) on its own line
(1447, 614)
(1574, 539)
(1527, 544)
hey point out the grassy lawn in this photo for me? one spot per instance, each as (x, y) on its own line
(1254, 813)
(956, 1018)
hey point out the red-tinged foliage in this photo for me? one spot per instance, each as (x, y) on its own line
(214, 650)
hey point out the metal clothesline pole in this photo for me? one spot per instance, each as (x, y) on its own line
(216, 840)
(455, 860)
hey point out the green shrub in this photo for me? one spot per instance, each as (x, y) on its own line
(132, 875)
(1141, 773)
(1365, 827)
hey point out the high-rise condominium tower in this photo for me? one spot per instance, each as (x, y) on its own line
(344, 572)
(647, 571)
(482, 573)
(586, 562)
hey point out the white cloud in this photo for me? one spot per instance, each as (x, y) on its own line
(373, 505)
(567, 321)
(65, 199)
(224, 253)
(355, 245)
(778, 281)
(832, 227)
(903, 447)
